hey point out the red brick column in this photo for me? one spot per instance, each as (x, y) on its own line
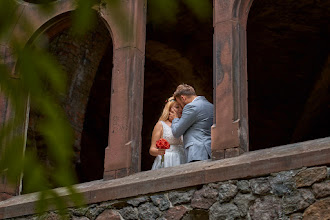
(122, 156)
(230, 130)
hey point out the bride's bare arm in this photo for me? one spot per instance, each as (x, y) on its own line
(156, 135)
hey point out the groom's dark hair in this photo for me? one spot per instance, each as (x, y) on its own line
(184, 89)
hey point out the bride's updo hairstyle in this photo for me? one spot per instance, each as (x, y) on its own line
(166, 111)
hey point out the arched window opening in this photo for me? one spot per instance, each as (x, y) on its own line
(288, 72)
(95, 133)
(88, 64)
(175, 53)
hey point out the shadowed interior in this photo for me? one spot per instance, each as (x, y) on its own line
(179, 52)
(288, 71)
(88, 64)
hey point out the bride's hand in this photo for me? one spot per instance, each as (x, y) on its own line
(173, 114)
(161, 151)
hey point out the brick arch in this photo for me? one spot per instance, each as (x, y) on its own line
(88, 64)
(124, 144)
(230, 133)
(61, 22)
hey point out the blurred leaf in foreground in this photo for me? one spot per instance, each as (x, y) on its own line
(38, 79)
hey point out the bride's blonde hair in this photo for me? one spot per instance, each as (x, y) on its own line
(166, 111)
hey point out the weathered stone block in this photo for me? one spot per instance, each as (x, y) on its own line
(94, 211)
(311, 175)
(122, 173)
(175, 213)
(318, 211)
(283, 183)
(243, 186)
(297, 201)
(148, 211)
(260, 186)
(79, 211)
(196, 214)
(227, 191)
(218, 154)
(321, 189)
(116, 204)
(161, 201)
(204, 198)
(243, 202)
(51, 216)
(180, 197)
(109, 215)
(129, 213)
(224, 211)
(232, 152)
(137, 201)
(296, 216)
(265, 208)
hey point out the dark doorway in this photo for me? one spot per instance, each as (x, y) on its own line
(87, 62)
(180, 52)
(94, 138)
(288, 71)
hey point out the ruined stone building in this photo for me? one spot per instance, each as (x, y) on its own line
(265, 66)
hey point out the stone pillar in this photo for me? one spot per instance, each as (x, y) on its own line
(7, 114)
(6, 190)
(230, 129)
(123, 154)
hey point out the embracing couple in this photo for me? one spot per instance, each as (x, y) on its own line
(186, 124)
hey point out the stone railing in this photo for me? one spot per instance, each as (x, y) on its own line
(267, 184)
(294, 194)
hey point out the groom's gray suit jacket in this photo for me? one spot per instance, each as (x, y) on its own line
(195, 126)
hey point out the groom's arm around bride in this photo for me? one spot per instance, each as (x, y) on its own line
(194, 124)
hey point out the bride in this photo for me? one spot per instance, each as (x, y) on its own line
(175, 155)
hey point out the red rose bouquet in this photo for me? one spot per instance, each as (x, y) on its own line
(162, 144)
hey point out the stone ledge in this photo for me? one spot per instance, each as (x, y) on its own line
(251, 164)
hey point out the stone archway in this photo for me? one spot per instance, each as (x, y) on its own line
(127, 30)
(230, 134)
(88, 64)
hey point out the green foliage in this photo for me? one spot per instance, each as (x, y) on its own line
(202, 9)
(39, 81)
(163, 10)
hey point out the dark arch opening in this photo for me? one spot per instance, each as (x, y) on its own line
(175, 53)
(95, 132)
(88, 63)
(288, 72)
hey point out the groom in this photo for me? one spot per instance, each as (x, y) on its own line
(194, 124)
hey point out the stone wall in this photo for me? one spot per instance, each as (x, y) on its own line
(294, 194)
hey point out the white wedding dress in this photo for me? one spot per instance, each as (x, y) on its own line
(175, 155)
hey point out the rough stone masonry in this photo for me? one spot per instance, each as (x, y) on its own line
(288, 195)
